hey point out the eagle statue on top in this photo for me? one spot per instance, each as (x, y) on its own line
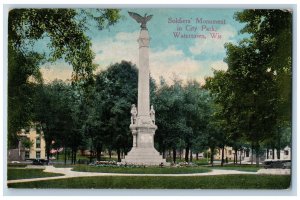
(141, 20)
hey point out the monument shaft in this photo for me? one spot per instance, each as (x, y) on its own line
(143, 84)
(143, 118)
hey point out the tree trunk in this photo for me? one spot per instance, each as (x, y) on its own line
(234, 161)
(186, 157)
(48, 151)
(48, 155)
(212, 156)
(191, 155)
(197, 156)
(98, 153)
(252, 155)
(109, 152)
(236, 156)
(91, 155)
(75, 154)
(180, 152)
(257, 155)
(241, 157)
(278, 153)
(267, 153)
(174, 155)
(119, 154)
(222, 160)
(72, 156)
(65, 155)
(163, 152)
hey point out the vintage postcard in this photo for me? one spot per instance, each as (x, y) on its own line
(149, 98)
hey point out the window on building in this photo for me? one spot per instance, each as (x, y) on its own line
(286, 152)
(38, 155)
(38, 130)
(271, 153)
(229, 152)
(247, 153)
(26, 154)
(38, 142)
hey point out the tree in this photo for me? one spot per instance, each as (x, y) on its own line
(250, 91)
(66, 31)
(170, 120)
(54, 110)
(116, 90)
(21, 69)
(195, 111)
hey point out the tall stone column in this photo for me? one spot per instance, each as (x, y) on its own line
(142, 124)
(143, 84)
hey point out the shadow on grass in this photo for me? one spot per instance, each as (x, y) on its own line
(15, 174)
(192, 182)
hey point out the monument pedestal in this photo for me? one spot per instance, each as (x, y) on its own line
(143, 151)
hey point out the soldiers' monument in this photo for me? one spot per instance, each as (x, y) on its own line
(143, 118)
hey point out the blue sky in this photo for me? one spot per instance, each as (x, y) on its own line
(186, 58)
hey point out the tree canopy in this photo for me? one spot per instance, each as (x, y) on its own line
(66, 31)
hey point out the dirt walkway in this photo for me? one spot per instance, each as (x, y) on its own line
(68, 173)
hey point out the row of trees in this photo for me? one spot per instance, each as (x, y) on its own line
(249, 105)
(98, 117)
(254, 94)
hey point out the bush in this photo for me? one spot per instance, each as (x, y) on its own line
(16, 165)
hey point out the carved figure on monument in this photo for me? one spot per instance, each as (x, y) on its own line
(152, 114)
(133, 114)
(141, 20)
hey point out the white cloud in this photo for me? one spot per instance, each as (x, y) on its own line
(122, 47)
(172, 62)
(167, 62)
(214, 46)
(219, 65)
(60, 71)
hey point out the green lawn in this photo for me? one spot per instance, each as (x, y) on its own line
(142, 170)
(14, 173)
(246, 168)
(63, 166)
(132, 182)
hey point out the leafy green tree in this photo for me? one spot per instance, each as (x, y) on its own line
(195, 111)
(53, 109)
(170, 120)
(116, 90)
(26, 143)
(65, 30)
(20, 90)
(249, 91)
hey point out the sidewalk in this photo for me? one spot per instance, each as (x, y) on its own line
(68, 173)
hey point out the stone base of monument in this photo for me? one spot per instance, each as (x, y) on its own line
(144, 156)
(143, 151)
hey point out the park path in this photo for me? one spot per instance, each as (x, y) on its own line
(68, 173)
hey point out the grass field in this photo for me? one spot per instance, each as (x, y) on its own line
(246, 168)
(192, 182)
(14, 173)
(141, 170)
